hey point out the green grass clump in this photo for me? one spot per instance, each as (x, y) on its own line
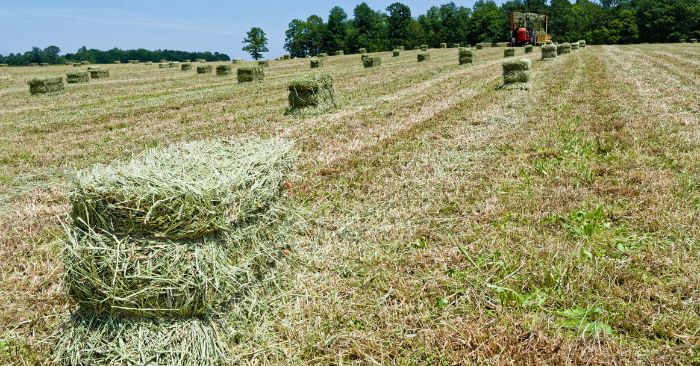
(509, 52)
(223, 70)
(549, 51)
(371, 61)
(99, 73)
(423, 56)
(186, 67)
(184, 191)
(77, 77)
(204, 69)
(45, 85)
(515, 72)
(466, 56)
(315, 92)
(248, 74)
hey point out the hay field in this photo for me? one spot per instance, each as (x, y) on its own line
(447, 222)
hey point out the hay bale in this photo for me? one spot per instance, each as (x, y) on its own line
(466, 56)
(316, 63)
(582, 43)
(528, 48)
(44, 64)
(509, 52)
(339, 53)
(563, 48)
(164, 61)
(182, 192)
(117, 62)
(134, 62)
(396, 53)
(371, 61)
(315, 92)
(424, 47)
(286, 57)
(455, 45)
(574, 46)
(204, 69)
(502, 44)
(322, 55)
(45, 85)
(362, 50)
(163, 66)
(516, 72)
(3, 65)
(224, 70)
(263, 63)
(77, 77)
(250, 73)
(99, 73)
(549, 51)
(174, 64)
(693, 40)
(201, 60)
(186, 67)
(423, 56)
(401, 48)
(479, 46)
(148, 63)
(85, 62)
(77, 65)
(443, 45)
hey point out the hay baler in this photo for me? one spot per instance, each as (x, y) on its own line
(528, 28)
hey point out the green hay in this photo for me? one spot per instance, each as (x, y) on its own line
(549, 51)
(582, 43)
(148, 63)
(286, 57)
(502, 44)
(396, 53)
(163, 66)
(316, 92)
(693, 40)
(77, 77)
(99, 73)
(316, 63)
(401, 48)
(362, 50)
(371, 61)
(184, 191)
(89, 339)
(186, 67)
(455, 45)
(574, 46)
(77, 65)
(423, 56)
(117, 62)
(509, 52)
(85, 62)
(204, 69)
(563, 48)
(339, 53)
(224, 70)
(424, 47)
(322, 55)
(264, 63)
(250, 73)
(466, 56)
(45, 85)
(516, 72)
(443, 45)
(479, 46)
(528, 48)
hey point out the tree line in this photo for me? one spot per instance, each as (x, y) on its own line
(51, 55)
(604, 22)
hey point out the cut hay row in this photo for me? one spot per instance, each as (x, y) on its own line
(224, 70)
(45, 85)
(371, 61)
(466, 56)
(423, 56)
(316, 92)
(250, 73)
(77, 77)
(205, 69)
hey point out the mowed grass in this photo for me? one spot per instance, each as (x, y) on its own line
(447, 222)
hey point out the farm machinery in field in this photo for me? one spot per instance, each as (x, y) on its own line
(528, 28)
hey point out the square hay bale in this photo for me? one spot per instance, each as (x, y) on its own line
(362, 50)
(582, 43)
(3, 65)
(163, 66)
(225, 70)
(77, 65)
(316, 63)
(315, 92)
(563, 48)
(77, 77)
(528, 48)
(479, 46)
(424, 47)
(204, 69)
(516, 72)
(693, 40)
(134, 61)
(401, 48)
(322, 54)
(186, 67)
(286, 57)
(85, 62)
(371, 61)
(236, 61)
(549, 51)
(509, 52)
(339, 53)
(574, 46)
(148, 63)
(396, 53)
(164, 61)
(174, 64)
(423, 56)
(201, 60)
(45, 85)
(455, 45)
(117, 62)
(248, 74)
(44, 64)
(99, 73)
(264, 63)
(466, 56)
(443, 45)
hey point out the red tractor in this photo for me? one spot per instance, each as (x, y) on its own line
(528, 28)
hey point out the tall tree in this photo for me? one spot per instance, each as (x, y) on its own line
(371, 29)
(336, 30)
(255, 43)
(486, 22)
(399, 21)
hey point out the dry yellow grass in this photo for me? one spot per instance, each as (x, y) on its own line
(449, 222)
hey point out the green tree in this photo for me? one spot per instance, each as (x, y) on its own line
(371, 30)
(399, 21)
(560, 19)
(255, 43)
(336, 30)
(486, 22)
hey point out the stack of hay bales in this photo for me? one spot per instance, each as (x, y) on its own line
(204, 69)
(443, 45)
(693, 40)
(186, 67)
(574, 46)
(509, 52)
(339, 53)
(316, 63)
(98, 73)
(516, 74)
(423, 56)
(45, 85)
(77, 77)
(163, 246)
(263, 63)
(549, 51)
(466, 56)
(582, 43)
(528, 48)
(362, 50)
(371, 61)
(396, 53)
(563, 48)
(223, 70)
(424, 47)
(250, 73)
(316, 93)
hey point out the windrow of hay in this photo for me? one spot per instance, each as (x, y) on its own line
(316, 63)
(45, 85)
(224, 70)
(264, 63)
(99, 73)
(204, 69)
(563, 48)
(371, 61)
(77, 77)
(549, 51)
(509, 52)
(316, 92)
(466, 56)
(396, 53)
(423, 56)
(186, 67)
(250, 73)
(516, 74)
(528, 48)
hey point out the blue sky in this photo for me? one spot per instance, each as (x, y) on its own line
(202, 25)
